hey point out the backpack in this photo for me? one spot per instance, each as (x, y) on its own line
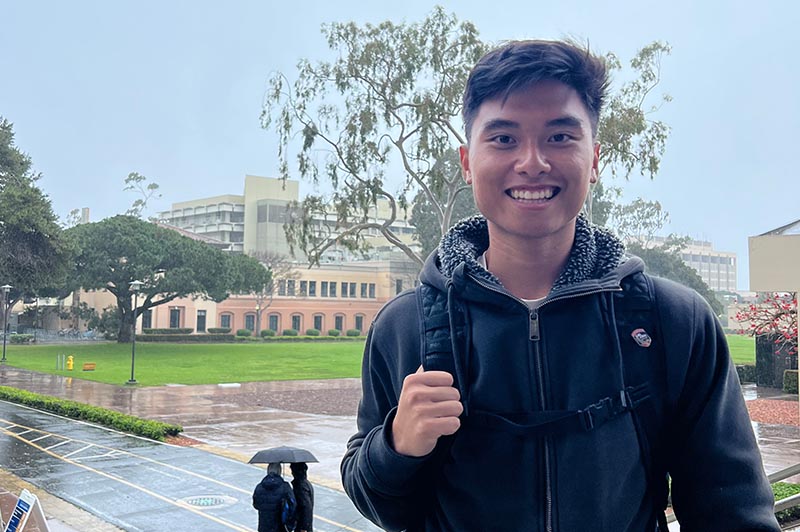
(288, 514)
(636, 311)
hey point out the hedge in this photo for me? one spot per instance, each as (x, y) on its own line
(176, 330)
(747, 372)
(22, 338)
(289, 332)
(187, 338)
(353, 332)
(155, 430)
(244, 332)
(312, 332)
(267, 332)
(334, 332)
(790, 381)
(219, 330)
(784, 490)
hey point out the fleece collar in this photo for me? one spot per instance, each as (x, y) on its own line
(595, 252)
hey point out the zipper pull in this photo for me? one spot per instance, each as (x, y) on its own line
(534, 325)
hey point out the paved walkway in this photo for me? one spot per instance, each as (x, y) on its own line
(238, 420)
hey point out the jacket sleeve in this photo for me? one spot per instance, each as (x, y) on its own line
(718, 479)
(384, 485)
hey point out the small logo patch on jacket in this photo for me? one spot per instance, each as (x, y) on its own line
(641, 337)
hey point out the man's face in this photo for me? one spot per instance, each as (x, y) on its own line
(530, 161)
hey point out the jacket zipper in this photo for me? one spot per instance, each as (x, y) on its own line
(535, 336)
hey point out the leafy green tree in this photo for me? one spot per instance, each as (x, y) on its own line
(114, 252)
(147, 191)
(630, 136)
(387, 110)
(665, 261)
(399, 89)
(34, 254)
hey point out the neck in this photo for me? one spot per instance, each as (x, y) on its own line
(528, 268)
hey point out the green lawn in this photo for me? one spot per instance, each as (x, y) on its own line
(743, 348)
(158, 364)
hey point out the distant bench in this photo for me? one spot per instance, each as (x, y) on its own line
(89, 366)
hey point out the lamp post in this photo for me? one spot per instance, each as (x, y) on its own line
(6, 307)
(135, 286)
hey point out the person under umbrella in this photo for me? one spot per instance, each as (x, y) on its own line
(304, 495)
(268, 499)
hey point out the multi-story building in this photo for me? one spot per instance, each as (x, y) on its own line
(253, 222)
(716, 268)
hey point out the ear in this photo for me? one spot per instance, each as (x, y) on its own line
(595, 164)
(463, 154)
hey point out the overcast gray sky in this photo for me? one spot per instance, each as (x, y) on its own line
(173, 90)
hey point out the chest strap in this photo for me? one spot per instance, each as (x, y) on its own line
(557, 422)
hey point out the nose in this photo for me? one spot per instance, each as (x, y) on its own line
(531, 160)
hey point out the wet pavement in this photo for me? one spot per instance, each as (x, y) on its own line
(232, 421)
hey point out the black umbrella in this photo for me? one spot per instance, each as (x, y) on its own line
(282, 455)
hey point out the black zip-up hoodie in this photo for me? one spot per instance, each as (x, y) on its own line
(562, 356)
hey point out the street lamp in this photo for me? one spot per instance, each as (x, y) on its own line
(6, 307)
(135, 286)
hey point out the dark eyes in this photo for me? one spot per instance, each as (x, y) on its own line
(503, 139)
(560, 137)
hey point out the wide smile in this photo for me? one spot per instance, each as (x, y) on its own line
(533, 195)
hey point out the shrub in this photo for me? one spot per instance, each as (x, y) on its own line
(22, 338)
(289, 332)
(352, 332)
(267, 332)
(747, 372)
(176, 330)
(186, 338)
(784, 490)
(334, 332)
(155, 430)
(219, 330)
(790, 381)
(312, 332)
(244, 332)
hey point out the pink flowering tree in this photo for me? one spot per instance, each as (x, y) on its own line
(776, 316)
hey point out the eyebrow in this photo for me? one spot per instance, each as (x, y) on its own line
(569, 121)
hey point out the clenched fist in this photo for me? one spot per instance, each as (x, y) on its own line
(429, 407)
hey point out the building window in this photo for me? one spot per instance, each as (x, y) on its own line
(364, 290)
(296, 322)
(290, 287)
(250, 322)
(323, 287)
(237, 217)
(312, 288)
(318, 322)
(360, 322)
(344, 289)
(398, 286)
(273, 322)
(352, 289)
(303, 288)
(262, 214)
(225, 321)
(338, 322)
(282, 287)
(174, 318)
(147, 319)
(201, 321)
(372, 290)
(333, 288)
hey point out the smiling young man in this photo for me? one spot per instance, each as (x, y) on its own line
(538, 379)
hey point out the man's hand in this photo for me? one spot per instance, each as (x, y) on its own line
(429, 407)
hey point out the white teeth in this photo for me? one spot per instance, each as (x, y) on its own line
(538, 194)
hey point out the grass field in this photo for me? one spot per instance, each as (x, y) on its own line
(158, 364)
(743, 348)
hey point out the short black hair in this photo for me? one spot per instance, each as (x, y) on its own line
(520, 64)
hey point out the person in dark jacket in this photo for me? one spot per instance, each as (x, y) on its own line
(268, 499)
(559, 377)
(304, 495)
